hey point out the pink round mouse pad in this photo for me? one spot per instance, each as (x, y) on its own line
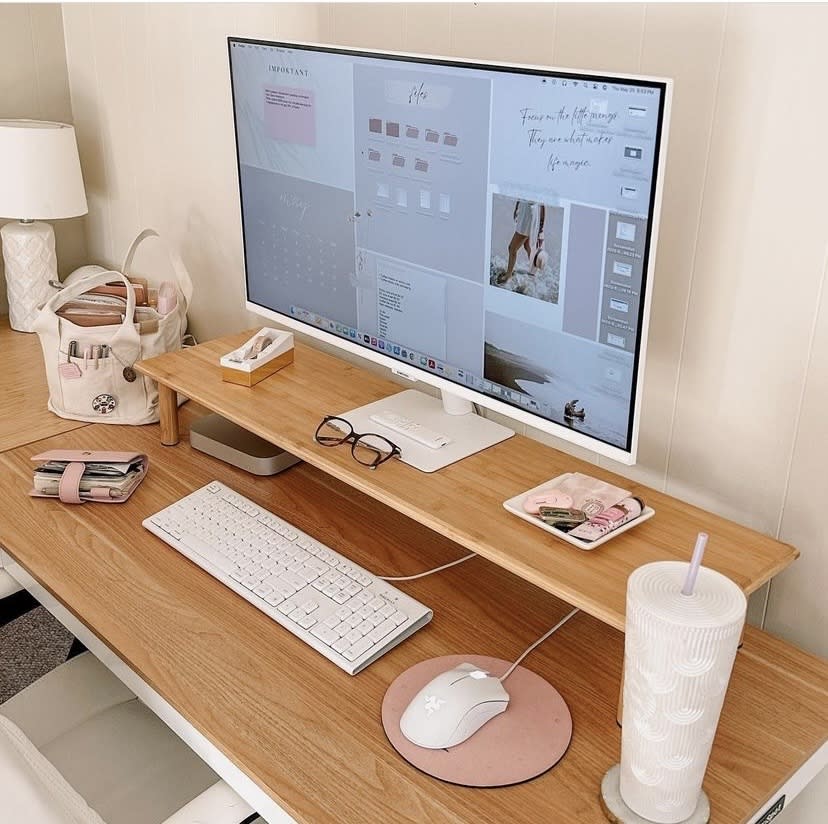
(521, 743)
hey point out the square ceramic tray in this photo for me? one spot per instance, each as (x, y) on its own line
(514, 505)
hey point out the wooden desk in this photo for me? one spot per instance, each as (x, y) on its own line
(463, 502)
(308, 734)
(24, 417)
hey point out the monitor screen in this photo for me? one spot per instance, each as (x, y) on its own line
(487, 226)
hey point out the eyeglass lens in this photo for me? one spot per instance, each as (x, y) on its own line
(369, 449)
(333, 431)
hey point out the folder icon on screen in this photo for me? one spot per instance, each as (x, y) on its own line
(450, 139)
(374, 155)
(421, 165)
(375, 125)
(432, 136)
(398, 161)
(412, 131)
(392, 129)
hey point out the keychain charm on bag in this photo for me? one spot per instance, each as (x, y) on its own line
(128, 371)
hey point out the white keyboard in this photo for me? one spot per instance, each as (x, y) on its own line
(338, 608)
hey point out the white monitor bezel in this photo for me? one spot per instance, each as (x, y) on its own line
(416, 373)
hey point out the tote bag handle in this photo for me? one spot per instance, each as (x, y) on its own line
(185, 284)
(49, 311)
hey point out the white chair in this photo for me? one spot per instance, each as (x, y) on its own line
(8, 586)
(77, 747)
(14, 600)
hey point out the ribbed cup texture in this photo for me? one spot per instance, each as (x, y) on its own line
(679, 653)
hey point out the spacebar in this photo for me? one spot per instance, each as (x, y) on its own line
(207, 552)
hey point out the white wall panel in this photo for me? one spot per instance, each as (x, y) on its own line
(757, 271)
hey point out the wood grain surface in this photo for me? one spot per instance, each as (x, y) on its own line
(24, 417)
(309, 734)
(463, 502)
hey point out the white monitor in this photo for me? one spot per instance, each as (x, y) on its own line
(484, 228)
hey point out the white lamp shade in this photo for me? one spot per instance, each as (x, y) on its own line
(40, 174)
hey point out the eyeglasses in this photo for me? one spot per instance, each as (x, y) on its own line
(369, 449)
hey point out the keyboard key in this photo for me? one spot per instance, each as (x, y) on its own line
(263, 590)
(306, 622)
(375, 620)
(387, 611)
(331, 621)
(340, 646)
(359, 648)
(343, 613)
(386, 627)
(310, 605)
(274, 599)
(296, 614)
(364, 628)
(353, 636)
(341, 597)
(208, 553)
(287, 607)
(377, 603)
(353, 589)
(325, 635)
(399, 618)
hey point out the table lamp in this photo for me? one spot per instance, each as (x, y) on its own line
(40, 177)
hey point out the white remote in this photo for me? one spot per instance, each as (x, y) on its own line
(411, 429)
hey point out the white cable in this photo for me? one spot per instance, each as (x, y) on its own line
(431, 571)
(539, 641)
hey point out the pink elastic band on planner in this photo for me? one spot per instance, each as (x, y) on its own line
(69, 486)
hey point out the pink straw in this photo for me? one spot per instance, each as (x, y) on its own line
(695, 563)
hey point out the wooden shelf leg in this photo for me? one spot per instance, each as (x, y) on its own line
(168, 411)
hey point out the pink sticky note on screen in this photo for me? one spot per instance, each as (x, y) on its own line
(289, 114)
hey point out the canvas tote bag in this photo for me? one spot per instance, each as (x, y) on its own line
(108, 389)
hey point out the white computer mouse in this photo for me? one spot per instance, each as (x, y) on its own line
(453, 707)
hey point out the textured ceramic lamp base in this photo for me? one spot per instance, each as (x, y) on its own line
(30, 261)
(619, 813)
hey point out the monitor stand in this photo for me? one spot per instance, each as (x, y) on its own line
(451, 416)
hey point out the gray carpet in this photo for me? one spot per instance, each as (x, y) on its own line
(30, 646)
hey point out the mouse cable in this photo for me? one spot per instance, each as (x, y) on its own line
(430, 571)
(539, 641)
